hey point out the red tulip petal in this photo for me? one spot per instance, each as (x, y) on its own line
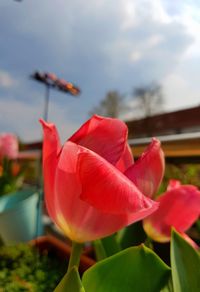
(126, 160)
(106, 188)
(179, 208)
(147, 172)
(105, 136)
(51, 148)
(79, 220)
(143, 213)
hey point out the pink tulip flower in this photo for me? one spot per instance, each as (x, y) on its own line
(8, 146)
(88, 182)
(179, 208)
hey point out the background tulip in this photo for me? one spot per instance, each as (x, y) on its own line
(8, 146)
(87, 192)
(11, 174)
(179, 208)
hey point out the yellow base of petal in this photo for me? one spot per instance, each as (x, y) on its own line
(153, 233)
(70, 231)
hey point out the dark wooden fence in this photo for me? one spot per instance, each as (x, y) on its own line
(178, 131)
(182, 121)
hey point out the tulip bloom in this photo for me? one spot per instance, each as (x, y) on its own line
(90, 191)
(8, 146)
(179, 208)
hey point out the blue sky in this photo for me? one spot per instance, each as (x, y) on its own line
(99, 45)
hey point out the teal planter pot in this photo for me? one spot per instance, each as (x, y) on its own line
(20, 216)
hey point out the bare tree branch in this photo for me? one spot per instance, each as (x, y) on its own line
(110, 106)
(150, 98)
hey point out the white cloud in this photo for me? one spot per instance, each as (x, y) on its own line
(135, 12)
(181, 85)
(6, 80)
(179, 93)
(129, 16)
(135, 56)
(190, 17)
(156, 8)
(154, 40)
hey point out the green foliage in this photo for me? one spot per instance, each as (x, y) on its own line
(186, 173)
(99, 250)
(185, 262)
(22, 268)
(134, 269)
(11, 176)
(31, 170)
(131, 235)
(168, 287)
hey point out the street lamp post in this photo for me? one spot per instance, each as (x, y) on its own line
(50, 80)
(46, 102)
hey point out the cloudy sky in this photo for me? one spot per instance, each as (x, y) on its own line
(100, 46)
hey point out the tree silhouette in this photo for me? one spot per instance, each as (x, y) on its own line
(150, 98)
(110, 106)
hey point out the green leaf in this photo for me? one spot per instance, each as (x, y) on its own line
(131, 235)
(185, 262)
(134, 269)
(71, 282)
(111, 246)
(168, 287)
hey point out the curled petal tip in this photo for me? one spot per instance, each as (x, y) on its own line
(148, 171)
(46, 124)
(43, 123)
(48, 128)
(154, 139)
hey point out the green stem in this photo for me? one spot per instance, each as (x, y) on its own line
(75, 255)
(99, 250)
